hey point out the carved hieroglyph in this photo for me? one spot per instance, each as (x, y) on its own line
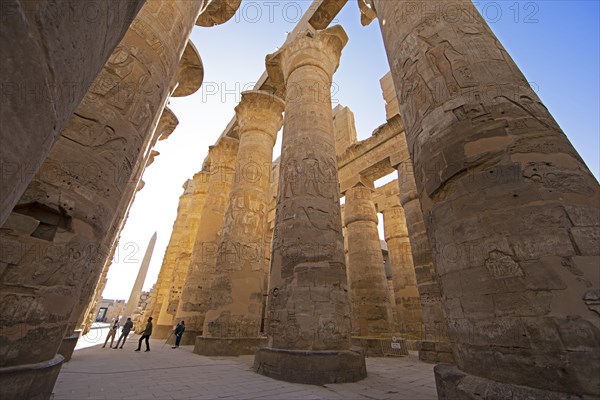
(308, 310)
(61, 47)
(406, 295)
(511, 210)
(174, 267)
(181, 259)
(196, 294)
(372, 309)
(65, 221)
(237, 286)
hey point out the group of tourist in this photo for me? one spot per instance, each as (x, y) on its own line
(179, 329)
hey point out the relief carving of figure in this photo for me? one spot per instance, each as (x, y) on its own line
(290, 176)
(311, 177)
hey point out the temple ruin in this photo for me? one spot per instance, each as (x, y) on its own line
(264, 258)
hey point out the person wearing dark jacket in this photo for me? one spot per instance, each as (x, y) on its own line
(124, 333)
(146, 335)
(179, 329)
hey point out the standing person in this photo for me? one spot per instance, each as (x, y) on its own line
(146, 335)
(125, 332)
(112, 332)
(179, 329)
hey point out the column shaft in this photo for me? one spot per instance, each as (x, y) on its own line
(406, 295)
(511, 210)
(372, 309)
(308, 310)
(196, 296)
(46, 74)
(58, 229)
(232, 322)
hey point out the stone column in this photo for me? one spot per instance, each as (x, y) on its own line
(186, 236)
(309, 312)
(434, 345)
(232, 322)
(408, 305)
(511, 210)
(136, 290)
(60, 50)
(372, 309)
(196, 295)
(55, 240)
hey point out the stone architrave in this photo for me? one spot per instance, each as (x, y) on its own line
(61, 48)
(136, 291)
(58, 235)
(196, 295)
(372, 308)
(186, 234)
(406, 294)
(512, 212)
(233, 319)
(309, 338)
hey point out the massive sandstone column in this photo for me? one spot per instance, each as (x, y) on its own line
(196, 294)
(136, 290)
(309, 312)
(181, 259)
(177, 255)
(51, 53)
(406, 295)
(57, 236)
(511, 210)
(435, 345)
(232, 322)
(372, 309)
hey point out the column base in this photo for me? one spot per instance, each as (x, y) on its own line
(453, 384)
(311, 367)
(380, 347)
(434, 352)
(188, 338)
(30, 381)
(226, 347)
(67, 347)
(162, 331)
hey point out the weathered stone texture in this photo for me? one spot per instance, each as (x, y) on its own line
(406, 294)
(308, 310)
(236, 289)
(372, 306)
(196, 297)
(490, 163)
(60, 50)
(80, 196)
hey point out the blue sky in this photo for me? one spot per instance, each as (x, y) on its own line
(555, 43)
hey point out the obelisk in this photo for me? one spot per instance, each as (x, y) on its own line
(136, 291)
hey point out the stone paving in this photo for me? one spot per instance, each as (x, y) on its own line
(164, 373)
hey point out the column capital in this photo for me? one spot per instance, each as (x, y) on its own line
(367, 12)
(322, 49)
(359, 205)
(259, 110)
(224, 151)
(394, 223)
